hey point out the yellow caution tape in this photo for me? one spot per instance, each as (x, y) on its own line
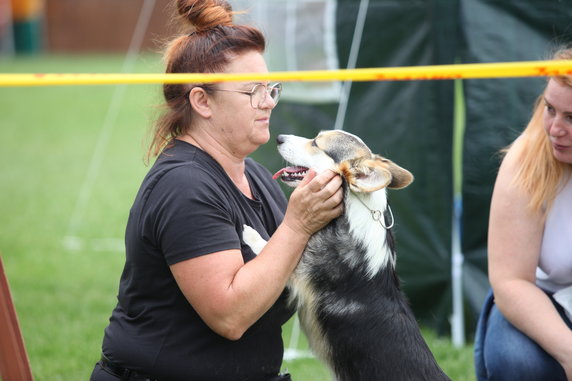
(410, 73)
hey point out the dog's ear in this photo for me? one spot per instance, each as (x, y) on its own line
(374, 174)
(365, 175)
(400, 177)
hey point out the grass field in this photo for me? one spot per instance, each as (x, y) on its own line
(49, 138)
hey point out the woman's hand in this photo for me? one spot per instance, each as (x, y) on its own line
(316, 201)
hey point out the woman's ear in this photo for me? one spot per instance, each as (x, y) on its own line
(200, 102)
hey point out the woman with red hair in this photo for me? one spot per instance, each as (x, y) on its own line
(195, 302)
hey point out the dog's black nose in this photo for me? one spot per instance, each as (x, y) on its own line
(280, 139)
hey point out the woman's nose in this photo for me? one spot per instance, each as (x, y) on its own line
(267, 102)
(557, 127)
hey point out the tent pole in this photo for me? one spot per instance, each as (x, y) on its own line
(71, 240)
(457, 258)
(352, 61)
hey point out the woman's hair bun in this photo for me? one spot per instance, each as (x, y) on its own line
(205, 14)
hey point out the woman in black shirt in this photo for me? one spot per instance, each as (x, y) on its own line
(195, 303)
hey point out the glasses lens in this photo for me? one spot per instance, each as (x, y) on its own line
(275, 90)
(259, 94)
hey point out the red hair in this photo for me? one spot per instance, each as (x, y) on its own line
(207, 44)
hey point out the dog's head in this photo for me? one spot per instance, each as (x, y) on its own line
(343, 153)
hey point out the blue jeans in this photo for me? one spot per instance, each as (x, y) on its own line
(502, 352)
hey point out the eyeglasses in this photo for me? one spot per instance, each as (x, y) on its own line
(258, 93)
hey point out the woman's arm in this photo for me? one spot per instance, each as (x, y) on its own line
(231, 295)
(515, 235)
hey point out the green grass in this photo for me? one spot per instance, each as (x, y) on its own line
(47, 139)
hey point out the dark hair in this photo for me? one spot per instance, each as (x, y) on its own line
(208, 41)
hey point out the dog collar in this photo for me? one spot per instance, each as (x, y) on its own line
(378, 215)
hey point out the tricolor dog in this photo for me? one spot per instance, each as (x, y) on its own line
(351, 308)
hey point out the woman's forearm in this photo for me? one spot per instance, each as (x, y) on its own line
(529, 309)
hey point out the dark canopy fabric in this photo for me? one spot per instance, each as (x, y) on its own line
(411, 122)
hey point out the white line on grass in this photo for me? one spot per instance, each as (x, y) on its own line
(71, 240)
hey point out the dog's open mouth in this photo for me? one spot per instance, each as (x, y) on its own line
(291, 175)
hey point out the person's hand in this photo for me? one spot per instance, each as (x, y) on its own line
(316, 201)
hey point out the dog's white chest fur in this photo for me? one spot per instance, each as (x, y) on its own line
(369, 231)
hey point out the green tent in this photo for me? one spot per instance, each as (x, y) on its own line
(419, 124)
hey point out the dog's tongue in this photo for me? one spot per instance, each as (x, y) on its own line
(289, 170)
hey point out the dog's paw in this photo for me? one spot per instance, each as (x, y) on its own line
(253, 239)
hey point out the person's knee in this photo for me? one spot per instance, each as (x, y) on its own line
(523, 366)
(509, 354)
(503, 352)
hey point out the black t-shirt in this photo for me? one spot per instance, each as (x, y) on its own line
(186, 207)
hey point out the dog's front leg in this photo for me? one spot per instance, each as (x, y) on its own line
(253, 239)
